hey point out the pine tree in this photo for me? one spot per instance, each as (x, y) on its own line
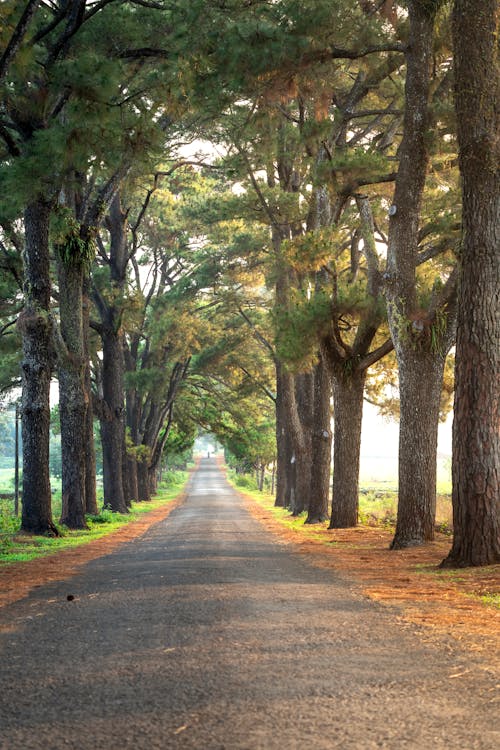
(476, 492)
(422, 336)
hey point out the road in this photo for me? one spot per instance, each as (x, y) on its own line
(208, 633)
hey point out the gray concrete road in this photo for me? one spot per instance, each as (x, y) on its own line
(208, 633)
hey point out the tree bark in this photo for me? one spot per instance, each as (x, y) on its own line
(282, 459)
(421, 379)
(420, 359)
(476, 438)
(112, 426)
(36, 330)
(89, 444)
(72, 394)
(143, 484)
(133, 485)
(347, 416)
(113, 366)
(321, 444)
(303, 445)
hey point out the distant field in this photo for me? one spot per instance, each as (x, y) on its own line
(6, 480)
(381, 472)
(378, 484)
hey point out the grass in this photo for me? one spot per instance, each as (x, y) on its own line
(493, 600)
(378, 503)
(17, 548)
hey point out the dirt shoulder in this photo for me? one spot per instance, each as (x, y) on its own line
(441, 600)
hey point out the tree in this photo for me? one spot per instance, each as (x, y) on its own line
(476, 440)
(422, 330)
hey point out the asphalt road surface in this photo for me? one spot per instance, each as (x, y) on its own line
(208, 633)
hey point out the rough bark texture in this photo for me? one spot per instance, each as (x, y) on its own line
(35, 326)
(321, 446)
(73, 401)
(413, 161)
(282, 452)
(112, 428)
(112, 421)
(133, 487)
(299, 467)
(421, 378)
(143, 481)
(304, 383)
(476, 438)
(89, 446)
(125, 475)
(347, 414)
(420, 364)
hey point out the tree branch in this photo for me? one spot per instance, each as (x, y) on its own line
(17, 37)
(375, 355)
(258, 335)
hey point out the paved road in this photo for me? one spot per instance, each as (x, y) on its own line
(207, 633)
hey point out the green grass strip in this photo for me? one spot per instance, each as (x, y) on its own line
(19, 549)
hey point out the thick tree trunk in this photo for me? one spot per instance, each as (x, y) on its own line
(143, 481)
(133, 486)
(420, 359)
(302, 426)
(153, 480)
(89, 444)
(321, 440)
(283, 458)
(127, 491)
(476, 438)
(347, 415)
(421, 379)
(36, 329)
(113, 365)
(72, 394)
(112, 428)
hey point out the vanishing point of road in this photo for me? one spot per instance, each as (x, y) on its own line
(208, 633)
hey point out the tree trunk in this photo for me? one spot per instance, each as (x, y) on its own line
(420, 359)
(112, 429)
(153, 480)
(133, 486)
(302, 441)
(282, 452)
(476, 438)
(72, 395)
(113, 365)
(421, 379)
(89, 444)
(347, 415)
(16, 464)
(321, 446)
(35, 326)
(143, 481)
(127, 491)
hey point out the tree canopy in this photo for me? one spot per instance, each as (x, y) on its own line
(226, 216)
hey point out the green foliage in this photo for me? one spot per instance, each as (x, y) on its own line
(243, 481)
(73, 249)
(299, 327)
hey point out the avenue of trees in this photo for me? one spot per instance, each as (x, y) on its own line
(247, 217)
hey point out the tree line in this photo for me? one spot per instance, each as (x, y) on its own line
(340, 225)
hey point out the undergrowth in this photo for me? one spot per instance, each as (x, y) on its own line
(377, 507)
(16, 547)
